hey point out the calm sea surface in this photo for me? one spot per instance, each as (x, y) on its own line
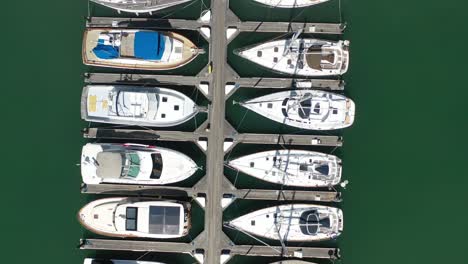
(405, 156)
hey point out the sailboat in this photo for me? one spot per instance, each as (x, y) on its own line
(117, 261)
(136, 105)
(134, 164)
(291, 167)
(292, 222)
(292, 261)
(300, 56)
(290, 3)
(306, 109)
(137, 49)
(139, 6)
(136, 217)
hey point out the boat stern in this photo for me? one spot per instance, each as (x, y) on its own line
(344, 45)
(350, 112)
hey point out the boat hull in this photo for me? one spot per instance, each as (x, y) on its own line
(284, 167)
(290, 3)
(275, 107)
(283, 223)
(142, 7)
(276, 56)
(176, 167)
(90, 39)
(118, 261)
(102, 221)
(97, 95)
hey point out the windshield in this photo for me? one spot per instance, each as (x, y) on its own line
(157, 166)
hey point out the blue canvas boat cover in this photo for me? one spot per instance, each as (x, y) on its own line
(106, 51)
(149, 45)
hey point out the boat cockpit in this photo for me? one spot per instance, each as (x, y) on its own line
(114, 165)
(311, 222)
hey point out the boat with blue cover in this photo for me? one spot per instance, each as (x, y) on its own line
(139, 6)
(137, 49)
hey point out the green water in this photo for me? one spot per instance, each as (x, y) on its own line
(405, 155)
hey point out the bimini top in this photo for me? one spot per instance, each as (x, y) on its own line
(140, 6)
(124, 217)
(137, 49)
(133, 105)
(292, 222)
(307, 109)
(134, 164)
(302, 56)
(290, 3)
(291, 167)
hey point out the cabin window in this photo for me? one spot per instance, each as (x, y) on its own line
(164, 99)
(252, 222)
(259, 53)
(335, 111)
(176, 108)
(267, 216)
(275, 59)
(267, 158)
(317, 108)
(270, 105)
(289, 61)
(131, 218)
(163, 115)
(276, 49)
(252, 164)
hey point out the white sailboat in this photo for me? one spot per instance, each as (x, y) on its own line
(306, 109)
(135, 105)
(290, 3)
(291, 167)
(300, 56)
(134, 217)
(116, 261)
(292, 261)
(292, 222)
(137, 49)
(134, 164)
(139, 6)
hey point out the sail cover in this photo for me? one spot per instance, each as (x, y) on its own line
(149, 45)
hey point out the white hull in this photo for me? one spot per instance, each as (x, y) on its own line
(136, 106)
(133, 217)
(291, 167)
(292, 262)
(168, 167)
(306, 109)
(292, 222)
(117, 261)
(290, 3)
(303, 56)
(139, 6)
